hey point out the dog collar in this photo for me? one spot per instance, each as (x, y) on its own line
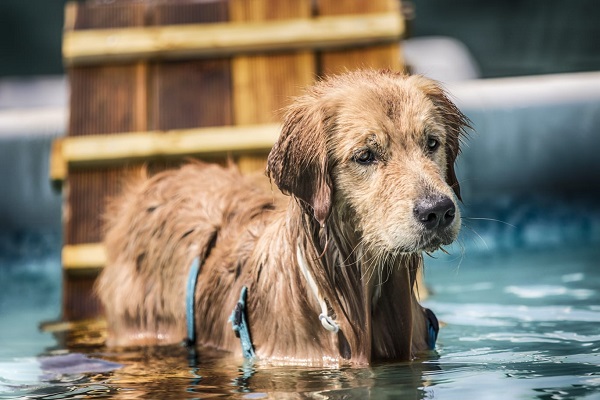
(327, 322)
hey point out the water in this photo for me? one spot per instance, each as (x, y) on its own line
(523, 325)
(519, 302)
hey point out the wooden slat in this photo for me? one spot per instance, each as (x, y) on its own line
(83, 258)
(107, 99)
(87, 191)
(90, 15)
(79, 298)
(225, 39)
(263, 84)
(381, 56)
(122, 148)
(57, 166)
(190, 93)
(104, 99)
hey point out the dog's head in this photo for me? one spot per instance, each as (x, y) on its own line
(378, 150)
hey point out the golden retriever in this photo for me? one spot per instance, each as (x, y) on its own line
(367, 159)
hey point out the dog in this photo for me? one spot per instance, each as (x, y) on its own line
(327, 274)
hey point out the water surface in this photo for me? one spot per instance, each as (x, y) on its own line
(519, 302)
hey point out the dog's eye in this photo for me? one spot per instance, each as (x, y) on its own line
(432, 144)
(364, 157)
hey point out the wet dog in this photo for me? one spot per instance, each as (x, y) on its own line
(367, 159)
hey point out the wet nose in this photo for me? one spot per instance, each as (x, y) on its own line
(437, 212)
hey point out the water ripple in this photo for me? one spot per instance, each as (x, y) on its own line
(474, 314)
(541, 291)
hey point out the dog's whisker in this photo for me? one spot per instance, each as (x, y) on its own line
(390, 269)
(490, 219)
(381, 265)
(359, 247)
(363, 254)
(379, 268)
(370, 268)
(462, 255)
(478, 235)
(375, 264)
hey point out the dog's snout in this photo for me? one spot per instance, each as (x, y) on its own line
(436, 212)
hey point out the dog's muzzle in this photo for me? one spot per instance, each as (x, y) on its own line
(436, 214)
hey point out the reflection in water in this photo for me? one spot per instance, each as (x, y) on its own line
(169, 373)
(522, 357)
(173, 372)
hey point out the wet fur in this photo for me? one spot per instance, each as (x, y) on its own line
(353, 223)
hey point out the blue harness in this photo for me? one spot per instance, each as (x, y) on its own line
(433, 327)
(239, 319)
(190, 306)
(240, 325)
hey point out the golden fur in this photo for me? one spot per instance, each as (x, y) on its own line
(353, 155)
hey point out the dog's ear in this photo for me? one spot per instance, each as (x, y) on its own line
(298, 160)
(456, 124)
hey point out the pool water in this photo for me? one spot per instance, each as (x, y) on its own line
(519, 301)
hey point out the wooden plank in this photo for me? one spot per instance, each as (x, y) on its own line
(378, 56)
(263, 84)
(68, 327)
(79, 299)
(104, 99)
(91, 15)
(188, 12)
(107, 99)
(190, 93)
(83, 258)
(103, 150)
(57, 164)
(226, 39)
(87, 190)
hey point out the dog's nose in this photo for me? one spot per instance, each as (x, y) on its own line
(435, 212)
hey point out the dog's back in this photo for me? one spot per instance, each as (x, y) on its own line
(156, 229)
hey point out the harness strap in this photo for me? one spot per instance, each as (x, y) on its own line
(189, 301)
(240, 325)
(238, 317)
(433, 327)
(327, 322)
